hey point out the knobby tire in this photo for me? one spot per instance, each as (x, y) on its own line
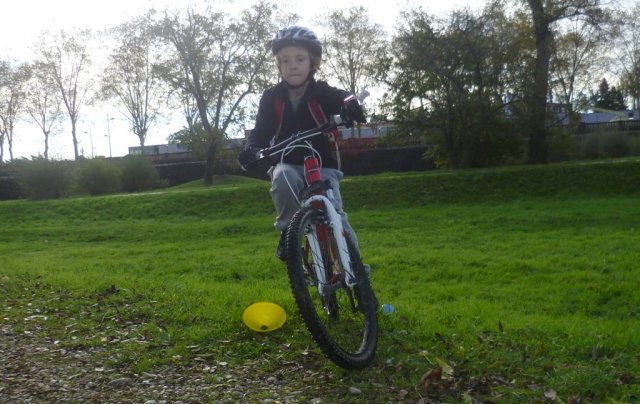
(346, 337)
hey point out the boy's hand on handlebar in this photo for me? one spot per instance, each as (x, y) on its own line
(248, 157)
(352, 110)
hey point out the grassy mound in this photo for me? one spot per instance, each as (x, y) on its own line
(514, 284)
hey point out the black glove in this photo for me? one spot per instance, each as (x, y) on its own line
(247, 157)
(352, 110)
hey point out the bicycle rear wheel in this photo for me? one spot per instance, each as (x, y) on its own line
(343, 320)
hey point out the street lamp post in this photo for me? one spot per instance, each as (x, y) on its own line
(109, 134)
(91, 139)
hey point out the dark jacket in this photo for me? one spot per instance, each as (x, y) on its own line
(329, 99)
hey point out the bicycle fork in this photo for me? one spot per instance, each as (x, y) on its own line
(335, 223)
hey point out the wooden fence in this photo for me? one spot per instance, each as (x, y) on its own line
(631, 125)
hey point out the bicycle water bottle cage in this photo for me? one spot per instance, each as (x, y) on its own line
(314, 189)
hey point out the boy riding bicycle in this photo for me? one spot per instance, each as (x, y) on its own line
(298, 103)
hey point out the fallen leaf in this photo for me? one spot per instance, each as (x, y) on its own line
(428, 378)
(446, 368)
(551, 395)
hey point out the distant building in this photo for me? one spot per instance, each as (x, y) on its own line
(557, 113)
(234, 142)
(365, 131)
(154, 150)
(560, 112)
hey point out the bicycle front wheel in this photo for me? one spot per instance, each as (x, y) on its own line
(341, 319)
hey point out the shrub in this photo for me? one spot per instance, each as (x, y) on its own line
(615, 145)
(138, 174)
(9, 188)
(39, 178)
(98, 176)
(634, 146)
(560, 147)
(590, 146)
(606, 144)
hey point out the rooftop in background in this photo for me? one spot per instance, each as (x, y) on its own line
(603, 116)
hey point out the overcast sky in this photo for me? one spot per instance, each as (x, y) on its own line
(22, 21)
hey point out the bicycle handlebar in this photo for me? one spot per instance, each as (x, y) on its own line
(335, 121)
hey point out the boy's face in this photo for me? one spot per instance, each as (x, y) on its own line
(295, 64)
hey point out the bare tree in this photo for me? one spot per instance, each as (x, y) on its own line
(129, 77)
(66, 60)
(4, 76)
(628, 53)
(354, 47)
(42, 103)
(577, 58)
(218, 60)
(12, 82)
(191, 137)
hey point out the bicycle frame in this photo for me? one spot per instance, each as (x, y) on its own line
(322, 200)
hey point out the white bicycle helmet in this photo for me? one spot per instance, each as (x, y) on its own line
(296, 36)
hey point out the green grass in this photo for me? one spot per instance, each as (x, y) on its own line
(515, 281)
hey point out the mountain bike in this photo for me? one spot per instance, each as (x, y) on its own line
(329, 281)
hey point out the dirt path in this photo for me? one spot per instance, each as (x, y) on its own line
(36, 369)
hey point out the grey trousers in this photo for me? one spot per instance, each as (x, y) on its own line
(286, 182)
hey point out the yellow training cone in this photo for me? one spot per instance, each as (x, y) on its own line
(264, 316)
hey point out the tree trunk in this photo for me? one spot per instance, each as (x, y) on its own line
(46, 145)
(538, 98)
(210, 159)
(10, 144)
(75, 139)
(211, 149)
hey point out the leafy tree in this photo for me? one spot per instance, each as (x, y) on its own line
(129, 77)
(219, 60)
(544, 14)
(66, 60)
(192, 138)
(609, 98)
(448, 84)
(42, 105)
(12, 94)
